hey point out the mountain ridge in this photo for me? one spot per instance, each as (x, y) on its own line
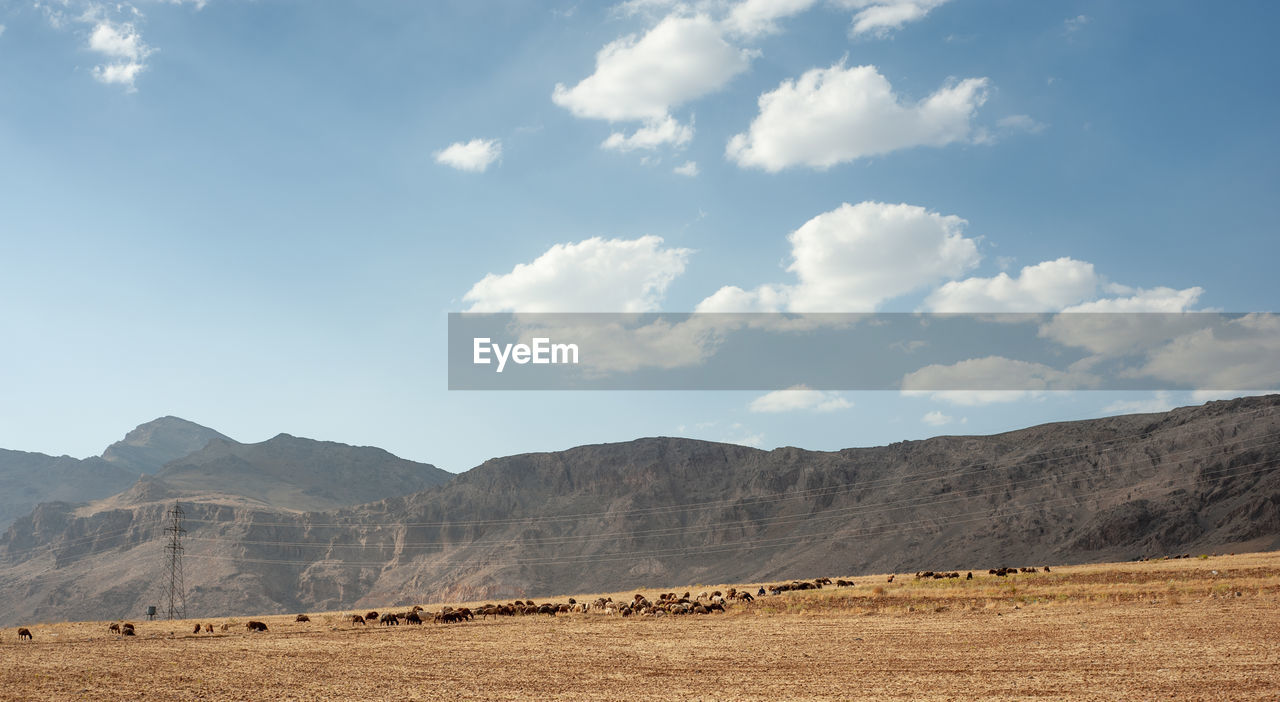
(661, 511)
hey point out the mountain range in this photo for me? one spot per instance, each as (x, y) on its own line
(293, 524)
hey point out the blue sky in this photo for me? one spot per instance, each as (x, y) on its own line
(256, 215)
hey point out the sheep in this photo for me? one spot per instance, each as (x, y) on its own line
(890, 578)
(253, 625)
(371, 617)
(389, 619)
(226, 626)
(413, 618)
(24, 634)
(355, 619)
(302, 618)
(126, 629)
(208, 628)
(198, 628)
(114, 628)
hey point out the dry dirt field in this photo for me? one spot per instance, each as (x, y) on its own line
(1186, 629)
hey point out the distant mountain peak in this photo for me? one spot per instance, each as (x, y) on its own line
(151, 445)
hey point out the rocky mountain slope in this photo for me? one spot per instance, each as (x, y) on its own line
(149, 446)
(27, 479)
(666, 512)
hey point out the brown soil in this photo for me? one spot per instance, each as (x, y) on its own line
(1156, 630)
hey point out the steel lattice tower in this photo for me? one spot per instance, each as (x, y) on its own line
(175, 590)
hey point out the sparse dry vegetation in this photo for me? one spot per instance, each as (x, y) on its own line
(1198, 628)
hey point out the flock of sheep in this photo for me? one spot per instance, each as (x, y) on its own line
(665, 604)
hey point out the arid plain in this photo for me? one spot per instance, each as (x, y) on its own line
(1196, 628)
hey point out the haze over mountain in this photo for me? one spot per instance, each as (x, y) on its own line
(149, 446)
(668, 512)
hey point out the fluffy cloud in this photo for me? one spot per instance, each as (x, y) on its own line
(855, 257)
(937, 419)
(680, 59)
(1160, 299)
(1044, 287)
(1160, 401)
(1021, 123)
(988, 380)
(123, 48)
(651, 136)
(834, 115)
(880, 17)
(474, 156)
(688, 168)
(753, 18)
(1242, 353)
(596, 275)
(799, 398)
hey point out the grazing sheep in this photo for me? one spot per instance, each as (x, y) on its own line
(127, 629)
(355, 619)
(890, 578)
(371, 617)
(389, 619)
(24, 634)
(253, 625)
(302, 618)
(198, 628)
(1046, 569)
(225, 626)
(760, 592)
(413, 618)
(208, 628)
(969, 576)
(114, 628)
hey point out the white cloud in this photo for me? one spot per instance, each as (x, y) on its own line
(753, 18)
(880, 17)
(1045, 287)
(122, 45)
(937, 419)
(1160, 401)
(1241, 353)
(855, 257)
(475, 156)
(1075, 24)
(595, 275)
(1203, 396)
(1021, 123)
(799, 398)
(688, 168)
(1160, 299)
(1, 30)
(652, 135)
(988, 380)
(834, 115)
(680, 59)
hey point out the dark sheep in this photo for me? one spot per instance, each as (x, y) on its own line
(969, 576)
(890, 578)
(371, 617)
(208, 628)
(302, 618)
(1046, 569)
(357, 619)
(413, 618)
(24, 634)
(198, 628)
(760, 592)
(114, 628)
(389, 619)
(126, 629)
(254, 625)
